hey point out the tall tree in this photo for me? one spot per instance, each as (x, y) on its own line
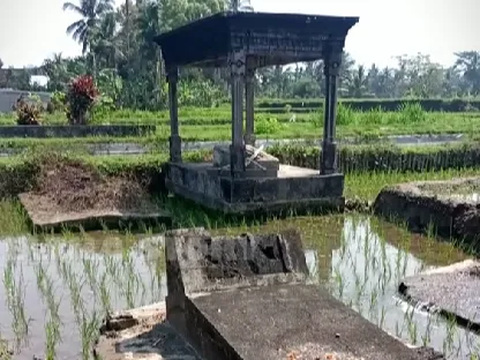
(469, 63)
(85, 29)
(91, 11)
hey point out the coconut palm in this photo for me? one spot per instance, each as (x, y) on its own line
(105, 42)
(91, 11)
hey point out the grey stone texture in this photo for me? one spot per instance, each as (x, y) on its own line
(246, 297)
(453, 291)
(436, 205)
(293, 189)
(198, 263)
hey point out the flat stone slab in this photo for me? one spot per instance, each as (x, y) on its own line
(453, 291)
(56, 220)
(287, 322)
(451, 207)
(142, 334)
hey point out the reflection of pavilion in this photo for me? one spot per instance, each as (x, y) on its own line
(326, 237)
(244, 42)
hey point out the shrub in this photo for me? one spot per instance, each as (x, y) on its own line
(81, 96)
(104, 107)
(28, 110)
(57, 102)
(266, 126)
(412, 113)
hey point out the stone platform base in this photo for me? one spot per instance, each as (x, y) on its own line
(449, 208)
(286, 322)
(295, 189)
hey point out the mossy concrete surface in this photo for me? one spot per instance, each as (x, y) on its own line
(453, 291)
(451, 209)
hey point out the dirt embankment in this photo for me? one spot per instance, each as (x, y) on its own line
(72, 186)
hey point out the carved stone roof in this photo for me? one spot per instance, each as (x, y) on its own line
(267, 38)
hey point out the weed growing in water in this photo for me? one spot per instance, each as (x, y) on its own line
(15, 298)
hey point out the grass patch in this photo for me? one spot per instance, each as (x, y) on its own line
(367, 168)
(367, 185)
(214, 124)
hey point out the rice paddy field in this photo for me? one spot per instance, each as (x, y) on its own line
(197, 124)
(56, 289)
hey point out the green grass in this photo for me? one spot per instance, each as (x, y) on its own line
(467, 124)
(367, 185)
(214, 124)
(367, 168)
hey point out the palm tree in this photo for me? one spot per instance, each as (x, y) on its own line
(358, 83)
(91, 12)
(469, 63)
(105, 43)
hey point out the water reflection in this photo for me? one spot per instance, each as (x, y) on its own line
(365, 273)
(360, 260)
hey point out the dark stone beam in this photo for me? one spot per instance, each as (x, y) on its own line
(237, 64)
(175, 140)
(249, 104)
(332, 60)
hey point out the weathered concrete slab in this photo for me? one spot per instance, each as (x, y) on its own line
(453, 291)
(199, 263)
(246, 297)
(294, 189)
(287, 322)
(146, 335)
(69, 131)
(49, 219)
(450, 208)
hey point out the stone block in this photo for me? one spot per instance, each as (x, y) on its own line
(451, 208)
(294, 189)
(246, 297)
(221, 158)
(198, 263)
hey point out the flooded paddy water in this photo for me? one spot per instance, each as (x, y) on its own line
(56, 290)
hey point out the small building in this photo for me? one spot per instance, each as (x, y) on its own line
(243, 179)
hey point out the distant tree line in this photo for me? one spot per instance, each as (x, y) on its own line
(118, 50)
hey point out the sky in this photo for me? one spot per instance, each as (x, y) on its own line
(32, 30)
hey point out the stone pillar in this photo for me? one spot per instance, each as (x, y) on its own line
(249, 105)
(328, 161)
(175, 140)
(237, 148)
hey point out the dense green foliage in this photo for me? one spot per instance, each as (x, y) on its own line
(118, 50)
(214, 123)
(309, 105)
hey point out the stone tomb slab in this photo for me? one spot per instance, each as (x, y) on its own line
(46, 218)
(453, 291)
(247, 297)
(451, 208)
(198, 263)
(286, 322)
(293, 189)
